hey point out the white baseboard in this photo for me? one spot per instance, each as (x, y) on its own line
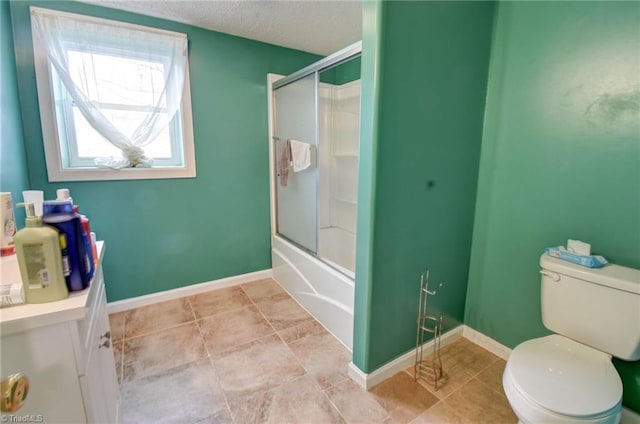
(136, 302)
(401, 363)
(486, 342)
(405, 361)
(357, 375)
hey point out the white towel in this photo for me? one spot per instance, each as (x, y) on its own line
(300, 155)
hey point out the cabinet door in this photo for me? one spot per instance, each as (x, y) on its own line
(45, 356)
(108, 375)
(92, 388)
(99, 382)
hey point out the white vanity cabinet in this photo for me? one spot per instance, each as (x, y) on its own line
(64, 348)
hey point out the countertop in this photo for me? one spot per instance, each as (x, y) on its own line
(23, 317)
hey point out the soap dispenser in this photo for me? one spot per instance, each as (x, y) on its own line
(40, 261)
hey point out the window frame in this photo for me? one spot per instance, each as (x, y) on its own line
(65, 112)
(56, 150)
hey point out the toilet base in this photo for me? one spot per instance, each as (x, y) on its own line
(531, 413)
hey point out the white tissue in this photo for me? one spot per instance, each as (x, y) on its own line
(579, 247)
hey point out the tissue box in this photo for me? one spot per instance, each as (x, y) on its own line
(591, 261)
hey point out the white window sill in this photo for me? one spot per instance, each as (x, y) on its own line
(121, 174)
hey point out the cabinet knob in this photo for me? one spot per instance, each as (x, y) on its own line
(106, 335)
(14, 392)
(104, 344)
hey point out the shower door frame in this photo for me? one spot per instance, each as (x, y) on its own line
(312, 250)
(277, 81)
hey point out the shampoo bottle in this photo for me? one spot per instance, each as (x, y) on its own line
(39, 259)
(90, 247)
(59, 214)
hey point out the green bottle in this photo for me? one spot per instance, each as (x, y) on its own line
(40, 260)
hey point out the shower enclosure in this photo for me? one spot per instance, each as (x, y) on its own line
(315, 114)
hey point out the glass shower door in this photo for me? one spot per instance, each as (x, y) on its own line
(296, 193)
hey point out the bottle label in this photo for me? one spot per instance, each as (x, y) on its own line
(11, 294)
(44, 276)
(37, 273)
(66, 267)
(7, 225)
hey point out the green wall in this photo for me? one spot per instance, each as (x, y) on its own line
(423, 129)
(560, 154)
(349, 71)
(371, 58)
(13, 162)
(343, 73)
(164, 234)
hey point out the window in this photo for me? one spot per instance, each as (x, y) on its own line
(114, 98)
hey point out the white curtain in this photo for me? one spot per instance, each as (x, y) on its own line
(90, 39)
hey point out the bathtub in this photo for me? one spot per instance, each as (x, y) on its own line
(324, 292)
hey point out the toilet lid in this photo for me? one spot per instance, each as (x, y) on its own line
(565, 377)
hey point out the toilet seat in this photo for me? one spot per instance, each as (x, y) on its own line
(529, 412)
(565, 378)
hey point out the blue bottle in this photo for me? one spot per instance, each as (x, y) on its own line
(60, 214)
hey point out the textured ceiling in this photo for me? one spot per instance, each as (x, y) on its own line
(321, 26)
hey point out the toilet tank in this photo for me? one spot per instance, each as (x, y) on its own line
(596, 307)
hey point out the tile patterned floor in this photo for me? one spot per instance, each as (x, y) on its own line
(251, 354)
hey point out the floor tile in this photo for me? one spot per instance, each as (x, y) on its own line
(218, 301)
(222, 417)
(262, 290)
(468, 355)
(307, 328)
(453, 377)
(492, 376)
(158, 316)
(185, 394)
(403, 398)
(256, 366)
(116, 324)
(296, 401)
(162, 350)
(229, 329)
(440, 413)
(323, 357)
(283, 313)
(481, 404)
(355, 404)
(254, 350)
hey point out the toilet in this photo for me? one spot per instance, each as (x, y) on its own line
(568, 377)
